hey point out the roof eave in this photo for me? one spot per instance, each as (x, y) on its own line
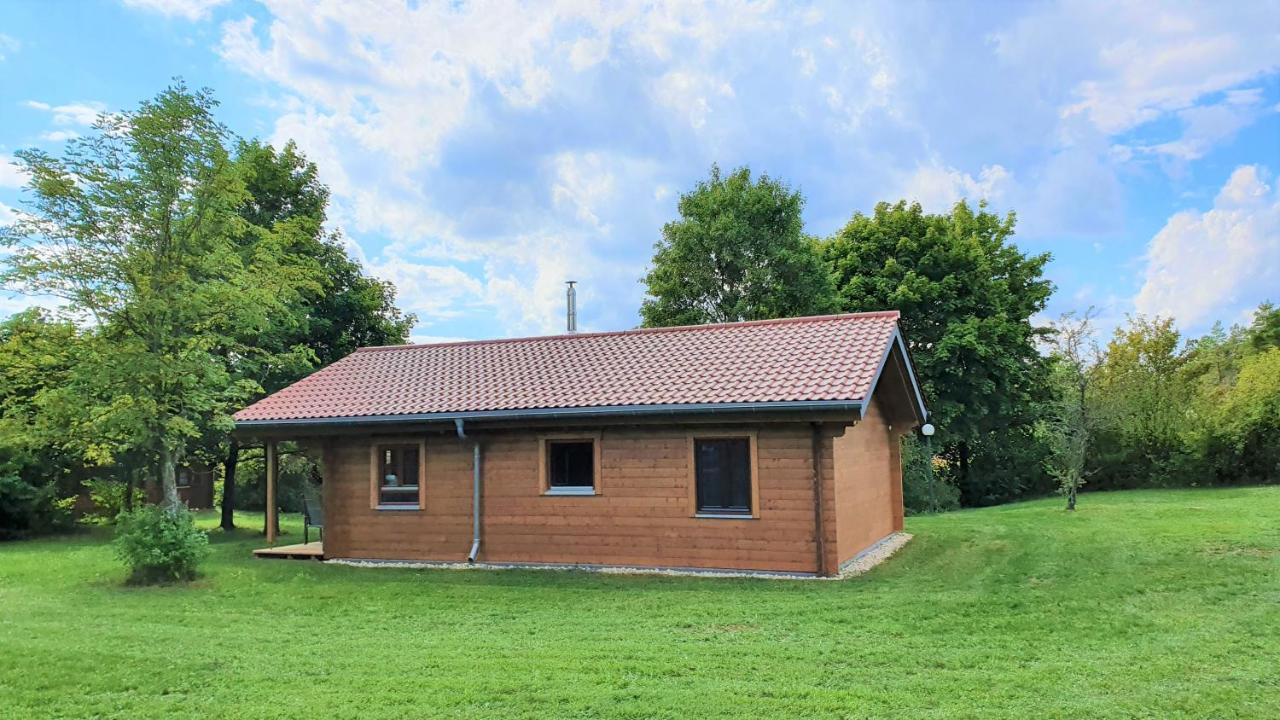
(898, 342)
(577, 413)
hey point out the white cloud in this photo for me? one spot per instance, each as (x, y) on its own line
(1125, 64)
(377, 98)
(8, 46)
(690, 95)
(78, 113)
(520, 144)
(59, 135)
(7, 215)
(435, 292)
(1219, 263)
(11, 175)
(1205, 126)
(582, 181)
(937, 187)
(187, 9)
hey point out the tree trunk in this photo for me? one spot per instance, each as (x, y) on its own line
(169, 479)
(964, 464)
(229, 485)
(130, 479)
(1071, 498)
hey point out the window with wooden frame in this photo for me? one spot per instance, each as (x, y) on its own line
(724, 478)
(569, 464)
(397, 478)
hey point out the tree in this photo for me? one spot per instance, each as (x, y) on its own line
(1140, 406)
(38, 468)
(1247, 421)
(967, 296)
(136, 226)
(1068, 426)
(738, 252)
(343, 311)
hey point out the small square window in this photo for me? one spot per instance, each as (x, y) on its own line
(398, 476)
(570, 467)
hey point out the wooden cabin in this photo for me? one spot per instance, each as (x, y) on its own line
(761, 446)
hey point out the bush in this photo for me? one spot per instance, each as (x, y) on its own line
(924, 491)
(108, 499)
(27, 510)
(159, 546)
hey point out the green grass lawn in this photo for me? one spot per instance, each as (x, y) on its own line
(1142, 604)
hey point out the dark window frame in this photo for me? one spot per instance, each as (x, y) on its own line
(406, 496)
(547, 444)
(747, 466)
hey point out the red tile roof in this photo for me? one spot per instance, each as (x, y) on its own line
(828, 358)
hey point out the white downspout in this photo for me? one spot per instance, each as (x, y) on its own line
(475, 491)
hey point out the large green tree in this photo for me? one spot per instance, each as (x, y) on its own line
(738, 252)
(345, 310)
(967, 295)
(136, 226)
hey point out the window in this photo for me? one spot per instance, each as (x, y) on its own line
(398, 475)
(723, 476)
(183, 477)
(570, 465)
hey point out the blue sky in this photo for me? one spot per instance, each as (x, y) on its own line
(482, 153)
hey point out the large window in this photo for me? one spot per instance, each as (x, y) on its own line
(570, 465)
(722, 475)
(398, 476)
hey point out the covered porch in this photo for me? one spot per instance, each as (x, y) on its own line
(306, 550)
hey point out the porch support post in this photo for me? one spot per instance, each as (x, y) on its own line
(273, 520)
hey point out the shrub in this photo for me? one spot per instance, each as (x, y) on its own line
(159, 546)
(924, 491)
(27, 510)
(108, 498)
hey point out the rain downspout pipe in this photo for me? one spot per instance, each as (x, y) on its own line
(475, 490)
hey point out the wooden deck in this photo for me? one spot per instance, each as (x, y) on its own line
(301, 551)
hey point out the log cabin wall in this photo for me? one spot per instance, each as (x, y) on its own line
(643, 511)
(642, 514)
(868, 484)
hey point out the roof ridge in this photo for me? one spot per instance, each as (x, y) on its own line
(642, 331)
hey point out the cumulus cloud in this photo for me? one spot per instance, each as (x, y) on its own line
(520, 145)
(77, 113)
(186, 9)
(1218, 263)
(1124, 64)
(437, 291)
(937, 187)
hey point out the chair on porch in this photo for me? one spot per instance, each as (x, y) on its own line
(312, 517)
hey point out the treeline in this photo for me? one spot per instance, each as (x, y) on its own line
(195, 276)
(1155, 411)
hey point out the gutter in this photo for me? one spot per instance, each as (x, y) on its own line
(475, 490)
(559, 413)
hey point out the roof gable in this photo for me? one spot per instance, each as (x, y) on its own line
(835, 358)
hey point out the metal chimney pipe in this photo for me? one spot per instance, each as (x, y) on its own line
(571, 312)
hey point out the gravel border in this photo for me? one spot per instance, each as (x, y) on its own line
(860, 563)
(874, 555)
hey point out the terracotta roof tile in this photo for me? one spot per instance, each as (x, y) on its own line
(832, 357)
